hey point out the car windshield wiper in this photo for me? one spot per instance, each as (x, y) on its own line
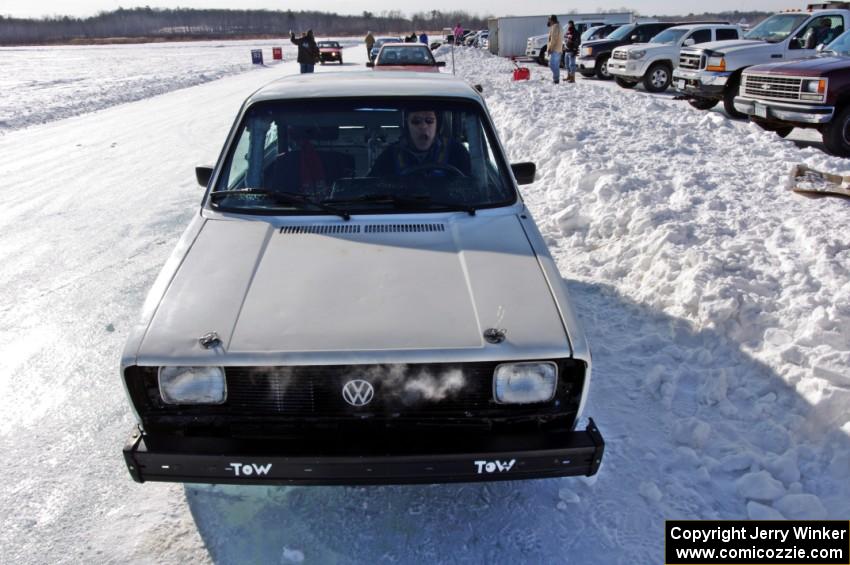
(402, 202)
(282, 198)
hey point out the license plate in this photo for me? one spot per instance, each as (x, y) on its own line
(680, 84)
(760, 110)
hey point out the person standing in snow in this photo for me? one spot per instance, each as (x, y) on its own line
(458, 31)
(571, 40)
(554, 47)
(423, 38)
(370, 42)
(308, 51)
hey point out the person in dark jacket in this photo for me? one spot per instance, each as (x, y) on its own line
(423, 38)
(571, 42)
(308, 51)
(422, 150)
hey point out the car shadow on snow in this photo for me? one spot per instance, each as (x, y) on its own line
(685, 414)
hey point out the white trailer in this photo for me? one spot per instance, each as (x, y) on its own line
(509, 35)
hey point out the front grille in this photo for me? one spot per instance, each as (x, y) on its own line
(619, 55)
(414, 392)
(691, 61)
(776, 87)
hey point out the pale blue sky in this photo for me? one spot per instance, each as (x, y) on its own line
(82, 8)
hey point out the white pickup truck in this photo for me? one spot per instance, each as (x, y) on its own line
(653, 63)
(711, 72)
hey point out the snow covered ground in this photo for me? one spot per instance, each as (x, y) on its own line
(716, 302)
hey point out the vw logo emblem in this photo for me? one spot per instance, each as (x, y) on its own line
(358, 392)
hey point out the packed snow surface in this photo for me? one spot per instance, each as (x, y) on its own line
(716, 302)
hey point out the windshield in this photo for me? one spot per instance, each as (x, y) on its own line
(405, 55)
(669, 36)
(841, 45)
(328, 44)
(363, 156)
(776, 28)
(622, 32)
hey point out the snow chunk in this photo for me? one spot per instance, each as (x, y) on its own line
(292, 556)
(650, 491)
(756, 511)
(759, 486)
(567, 495)
(801, 507)
(692, 432)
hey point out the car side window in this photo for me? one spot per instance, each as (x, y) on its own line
(724, 34)
(701, 36)
(820, 30)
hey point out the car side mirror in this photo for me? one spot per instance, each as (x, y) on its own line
(441, 63)
(524, 172)
(203, 174)
(479, 88)
(370, 64)
(821, 48)
(689, 41)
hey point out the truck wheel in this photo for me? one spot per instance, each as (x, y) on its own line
(836, 134)
(602, 68)
(340, 59)
(729, 94)
(625, 83)
(541, 58)
(658, 77)
(702, 103)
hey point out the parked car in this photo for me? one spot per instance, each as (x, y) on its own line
(380, 42)
(711, 73)
(330, 52)
(806, 93)
(594, 55)
(653, 63)
(326, 321)
(414, 57)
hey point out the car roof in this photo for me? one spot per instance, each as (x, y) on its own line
(365, 84)
(694, 26)
(406, 45)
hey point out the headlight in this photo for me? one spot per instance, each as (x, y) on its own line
(192, 385)
(815, 86)
(715, 63)
(587, 51)
(637, 54)
(524, 383)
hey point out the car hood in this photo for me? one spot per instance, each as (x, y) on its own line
(813, 66)
(600, 45)
(385, 286)
(733, 46)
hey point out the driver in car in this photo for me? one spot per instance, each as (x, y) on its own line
(421, 151)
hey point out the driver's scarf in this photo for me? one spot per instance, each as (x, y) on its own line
(407, 157)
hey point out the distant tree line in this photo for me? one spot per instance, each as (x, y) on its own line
(143, 24)
(733, 17)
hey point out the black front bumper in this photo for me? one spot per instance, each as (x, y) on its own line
(441, 458)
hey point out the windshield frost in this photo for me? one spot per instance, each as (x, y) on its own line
(363, 156)
(776, 28)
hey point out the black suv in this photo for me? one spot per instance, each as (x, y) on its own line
(594, 55)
